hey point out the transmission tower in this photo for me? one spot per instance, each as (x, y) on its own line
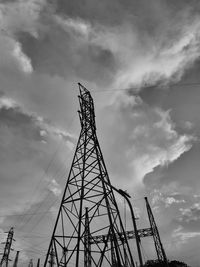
(16, 259)
(157, 241)
(7, 248)
(88, 185)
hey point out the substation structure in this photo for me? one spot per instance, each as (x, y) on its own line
(88, 231)
(88, 207)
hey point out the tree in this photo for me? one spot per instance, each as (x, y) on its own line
(156, 263)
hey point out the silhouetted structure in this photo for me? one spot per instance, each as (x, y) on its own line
(157, 263)
(141, 233)
(38, 263)
(88, 185)
(7, 248)
(157, 241)
(16, 259)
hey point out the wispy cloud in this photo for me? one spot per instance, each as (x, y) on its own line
(145, 139)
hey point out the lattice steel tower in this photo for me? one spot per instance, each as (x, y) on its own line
(157, 241)
(7, 248)
(88, 207)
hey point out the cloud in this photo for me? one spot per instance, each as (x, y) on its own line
(127, 53)
(143, 61)
(190, 215)
(23, 60)
(55, 188)
(46, 47)
(184, 243)
(24, 158)
(20, 15)
(146, 138)
(157, 46)
(159, 197)
(182, 237)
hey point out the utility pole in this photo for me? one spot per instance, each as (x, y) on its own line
(157, 241)
(88, 185)
(7, 248)
(16, 259)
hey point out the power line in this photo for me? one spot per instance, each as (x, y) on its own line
(146, 87)
(52, 160)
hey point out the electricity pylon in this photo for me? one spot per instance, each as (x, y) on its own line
(7, 248)
(88, 186)
(156, 237)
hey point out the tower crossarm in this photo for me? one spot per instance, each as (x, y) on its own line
(129, 235)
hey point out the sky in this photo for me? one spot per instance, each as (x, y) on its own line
(140, 60)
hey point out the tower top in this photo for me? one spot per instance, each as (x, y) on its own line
(83, 90)
(86, 113)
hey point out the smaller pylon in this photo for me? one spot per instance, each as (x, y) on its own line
(157, 241)
(7, 248)
(30, 263)
(38, 263)
(16, 259)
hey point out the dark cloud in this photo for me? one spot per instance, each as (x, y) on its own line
(116, 12)
(105, 12)
(141, 138)
(20, 123)
(26, 143)
(8, 1)
(182, 174)
(58, 52)
(19, 135)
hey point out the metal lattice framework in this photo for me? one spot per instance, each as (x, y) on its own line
(88, 207)
(129, 235)
(7, 248)
(157, 241)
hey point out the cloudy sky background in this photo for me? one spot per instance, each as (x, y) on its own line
(140, 59)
